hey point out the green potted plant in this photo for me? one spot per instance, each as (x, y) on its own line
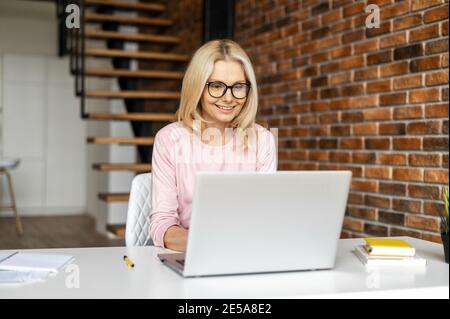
(444, 223)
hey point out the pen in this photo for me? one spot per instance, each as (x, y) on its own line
(128, 261)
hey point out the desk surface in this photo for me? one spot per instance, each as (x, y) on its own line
(103, 274)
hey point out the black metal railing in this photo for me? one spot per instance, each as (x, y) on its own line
(72, 41)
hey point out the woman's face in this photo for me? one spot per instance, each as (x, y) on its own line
(224, 109)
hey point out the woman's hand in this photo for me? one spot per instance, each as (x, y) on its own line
(175, 238)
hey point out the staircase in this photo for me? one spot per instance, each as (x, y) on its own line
(102, 20)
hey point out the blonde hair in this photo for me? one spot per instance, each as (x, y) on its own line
(200, 69)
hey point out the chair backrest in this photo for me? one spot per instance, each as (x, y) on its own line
(137, 228)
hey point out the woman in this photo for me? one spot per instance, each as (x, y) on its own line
(216, 131)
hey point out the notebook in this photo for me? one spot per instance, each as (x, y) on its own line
(28, 261)
(368, 260)
(389, 247)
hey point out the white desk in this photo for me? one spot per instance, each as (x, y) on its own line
(103, 274)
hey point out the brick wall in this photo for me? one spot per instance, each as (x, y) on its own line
(374, 101)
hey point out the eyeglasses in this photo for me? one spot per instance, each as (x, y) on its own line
(218, 89)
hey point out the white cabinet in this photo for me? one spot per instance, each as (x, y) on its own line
(24, 120)
(42, 126)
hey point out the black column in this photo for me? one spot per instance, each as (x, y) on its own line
(218, 17)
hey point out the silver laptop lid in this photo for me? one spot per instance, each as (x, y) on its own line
(245, 222)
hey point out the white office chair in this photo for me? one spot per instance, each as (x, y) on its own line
(137, 227)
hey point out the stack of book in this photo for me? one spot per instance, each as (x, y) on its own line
(388, 252)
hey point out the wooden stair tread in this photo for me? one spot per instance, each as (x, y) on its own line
(127, 5)
(162, 117)
(114, 197)
(133, 73)
(101, 52)
(99, 17)
(100, 34)
(133, 167)
(117, 229)
(121, 140)
(133, 94)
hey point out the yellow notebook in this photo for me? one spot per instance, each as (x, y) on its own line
(389, 247)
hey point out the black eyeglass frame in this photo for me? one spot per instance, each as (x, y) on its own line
(247, 90)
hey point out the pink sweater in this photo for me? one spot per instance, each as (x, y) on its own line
(178, 155)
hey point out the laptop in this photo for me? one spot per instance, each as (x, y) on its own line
(252, 222)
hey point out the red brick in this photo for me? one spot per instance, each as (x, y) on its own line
(355, 199)
(385, 27)
(341, 52)
(425, 192)
(392, 129)
(432, 160)
(353, 224)
(352, 62)
(391, 218)
(411, 112)
(331, 16)
(379, 86)
(364, 101)
(435, 143)
(432, 237)
(425, 95)
(393, 99)
(407, 205)
(394, 231)
(378, 172)
(424, 4)
(444, 28)
(438, 46)
(323, 156)
(366, 46)
(378, 143)
(433, 208)
(376, 230)
(425, 33)
(364, 186)
(355, 9)
(436, 176)
(408, 174)
(407, 22)
(437, 78)
(393, 189)
(393, 40)
(366, 74)
(408, 143)
(352, 117)
(364, 158)
(444, 160)
(340, 130)
(422, 222)
(423, 128)
(408, 82)
(394, 69)
(344, 77)
(328, 118)
(392, 159)
(377, 114)
(436, 110)
(425, 64)
(365, 129)
(395, 10)
(437, 14)
(362, 212)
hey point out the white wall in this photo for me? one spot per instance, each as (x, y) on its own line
(40, 122)
(41, 126)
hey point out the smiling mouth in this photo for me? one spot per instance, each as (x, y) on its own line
(226, 108)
